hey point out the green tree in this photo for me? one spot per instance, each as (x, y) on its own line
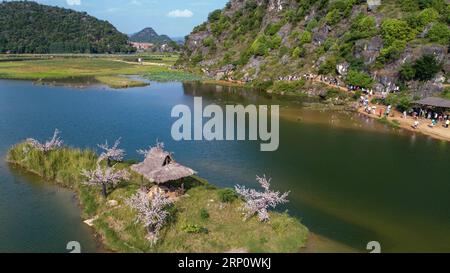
(215, 15)
(312, 24)
(329, 66)
(33, 28)
(418, 21)
(393, 30)
(259, 46)
(306, 37)
(333, 17)
(426, 67)
(407, 72)
(357, 78)
(439, 33)
(392, 52)
(297, 52)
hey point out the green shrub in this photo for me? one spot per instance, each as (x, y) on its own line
(208, 41)
(355, 63)
(329, 66)
(215, 15)
(260, 46)
(333, 17)
(363, 27)
(226, 195)
(287, 87)
(423, 69)
(335, 93)
(407, 72)
(417, 21)
(439, 33)
(275, 42)
(401, 101)
(298, 52)
(329, 43)
(200, 28)
(197, 58)
(409, 5)
(426, 68)
(272, 29)
(244, 57)
(393, 30)
(262, 85)
(438, 5)
(204, 214)
(446, 93)
(305, 38)
(312, 24)
(392, 52)
(357, 78)
(194, 229)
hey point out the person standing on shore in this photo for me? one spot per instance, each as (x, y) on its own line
(447, 123)
(388, 110)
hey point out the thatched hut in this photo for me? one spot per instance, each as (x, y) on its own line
(159, 167)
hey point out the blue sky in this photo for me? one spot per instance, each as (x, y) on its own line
(175, 18)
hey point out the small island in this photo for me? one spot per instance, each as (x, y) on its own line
(197, 216)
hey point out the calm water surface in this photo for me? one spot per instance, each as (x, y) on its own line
(351, 179)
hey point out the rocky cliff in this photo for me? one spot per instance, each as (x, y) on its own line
(386, 45)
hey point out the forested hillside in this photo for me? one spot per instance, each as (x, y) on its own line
(398, 45)
(28, 27)
(149, 35)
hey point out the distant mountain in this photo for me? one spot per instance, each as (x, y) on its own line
(178, 40)
(29, 27)
(149, 35)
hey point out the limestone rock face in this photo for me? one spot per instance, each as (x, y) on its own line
(342, 68)
(266, 40)
(368, 50)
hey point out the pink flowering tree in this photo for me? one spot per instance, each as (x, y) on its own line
(104, 177)
(259, 202)
(112, 153)
(144, 152)
(152, 212)
(52, 144)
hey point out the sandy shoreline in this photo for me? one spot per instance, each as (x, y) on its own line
(438, 132)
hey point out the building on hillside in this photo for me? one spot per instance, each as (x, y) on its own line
(142, 46)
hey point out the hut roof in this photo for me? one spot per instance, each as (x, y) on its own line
(159, 167)
(435, 102)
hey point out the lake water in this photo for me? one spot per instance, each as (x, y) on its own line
(352, 180)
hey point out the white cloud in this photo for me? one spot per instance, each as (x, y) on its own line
(180, 13)
(73, 2)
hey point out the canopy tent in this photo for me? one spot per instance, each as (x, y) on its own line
(434, 102)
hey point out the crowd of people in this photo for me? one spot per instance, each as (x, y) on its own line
(330, 80)
(436, 117)
(313, 77)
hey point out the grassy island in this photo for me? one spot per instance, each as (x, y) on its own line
(199, 221)
(110, 70)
